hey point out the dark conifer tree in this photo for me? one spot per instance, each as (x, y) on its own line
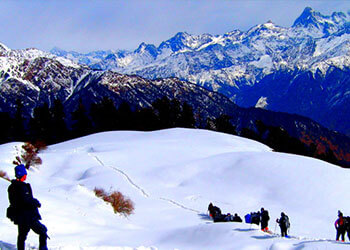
(40, 124)
(81, 123)
(146, 120)
(104, 115)
(125, 117)
(223, 124)
(162, 109)
(329, 157)
(175, 113)
(168, 112)
(6, 123)
(186, 119)
(58, 122)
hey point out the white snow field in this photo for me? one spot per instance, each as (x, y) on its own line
(171, 176)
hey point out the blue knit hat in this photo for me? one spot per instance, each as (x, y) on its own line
(20, 171)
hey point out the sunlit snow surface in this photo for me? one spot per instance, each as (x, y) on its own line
(171, 176)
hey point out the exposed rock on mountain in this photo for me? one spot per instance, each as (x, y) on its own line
(237, 63)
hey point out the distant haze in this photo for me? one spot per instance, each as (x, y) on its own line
(87, 25)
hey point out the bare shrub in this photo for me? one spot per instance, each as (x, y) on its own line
(4, 175)
(118, 201)
(99, 192)
(121, 204)
(30, 155)
(40, 145)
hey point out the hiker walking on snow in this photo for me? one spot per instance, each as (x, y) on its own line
(340, 226)
(284, 224)
(264, 214)
(23, 210)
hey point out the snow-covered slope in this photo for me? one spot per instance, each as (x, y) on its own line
(171, 176)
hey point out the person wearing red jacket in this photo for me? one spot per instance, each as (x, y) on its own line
(340, 226)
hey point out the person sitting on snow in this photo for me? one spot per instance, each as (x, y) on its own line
(255, 218)
(228, 217)
(236, 218)
(23, 210)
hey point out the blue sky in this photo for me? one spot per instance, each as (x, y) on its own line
(87, 25)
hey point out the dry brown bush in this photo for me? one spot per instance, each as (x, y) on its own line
(118, 201)
(30, 155)
(121, 204)
(40, 145)
(4, 175)
(99, 192)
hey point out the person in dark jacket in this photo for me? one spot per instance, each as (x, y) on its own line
(255, 218)
(236, 218)
(214, 211)
(264, 214)
(284, 224)
(24, 209)
(340, 226)
(347, 225)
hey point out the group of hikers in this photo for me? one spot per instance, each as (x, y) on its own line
(261, 217)
(23, 212)
(342, 224)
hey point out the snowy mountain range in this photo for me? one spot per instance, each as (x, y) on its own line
(289, 68)
(35, 78)
(171, 176)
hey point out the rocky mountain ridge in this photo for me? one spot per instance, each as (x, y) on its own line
(35, 78)
(236, 63)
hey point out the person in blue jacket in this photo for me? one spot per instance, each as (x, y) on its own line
(23, 210)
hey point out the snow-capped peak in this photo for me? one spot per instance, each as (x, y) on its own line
(3, 47)
(150, 48)
(311, 19)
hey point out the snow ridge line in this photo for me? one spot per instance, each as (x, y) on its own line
(179, 205)
(144, 193)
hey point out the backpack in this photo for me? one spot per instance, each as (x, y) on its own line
(286, 221)
(347, 224)
(265, 215)
(11, 213)
(247, 218)
(216, 211)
